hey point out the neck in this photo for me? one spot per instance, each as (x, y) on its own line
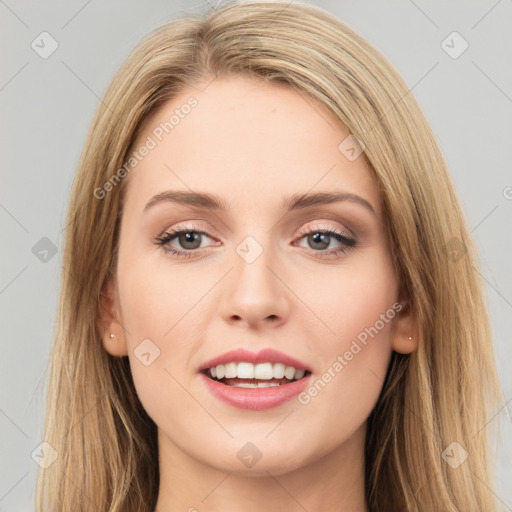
(335, 481)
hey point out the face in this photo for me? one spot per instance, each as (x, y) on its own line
(282, 281)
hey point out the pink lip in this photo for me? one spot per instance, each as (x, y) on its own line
(257, 399)
(267, 355)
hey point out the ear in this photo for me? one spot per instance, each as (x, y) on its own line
(109, 321)
(406, 333)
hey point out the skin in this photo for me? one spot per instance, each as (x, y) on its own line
(253, 144)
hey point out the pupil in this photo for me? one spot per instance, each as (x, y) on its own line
(320, 238)
(188, 238)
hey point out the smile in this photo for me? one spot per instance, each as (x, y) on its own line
(255, 381)
(248, 375)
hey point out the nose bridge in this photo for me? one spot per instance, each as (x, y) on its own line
(255, 292)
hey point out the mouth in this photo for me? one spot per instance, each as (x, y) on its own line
(254, 376)
(256, 381)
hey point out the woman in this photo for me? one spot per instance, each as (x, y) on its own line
(270, 297)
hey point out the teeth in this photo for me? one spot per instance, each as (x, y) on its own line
(268, 384)
(289, 372)
(279, 370)
(264, 371)
(299, 374)
(260, 371)
(220, 371)
(230, 370)
(245, 371)
(256, 385)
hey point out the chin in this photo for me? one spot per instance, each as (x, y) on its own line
(259, 458)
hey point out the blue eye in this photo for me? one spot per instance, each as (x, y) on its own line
(190, 241)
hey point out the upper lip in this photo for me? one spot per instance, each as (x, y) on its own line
(267, 355)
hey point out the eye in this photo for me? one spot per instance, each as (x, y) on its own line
(188, 239)
(319, 239)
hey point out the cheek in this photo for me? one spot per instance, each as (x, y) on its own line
(158, 306)
(351, 299)
(359, 308)
(156, 298)
(344, 393)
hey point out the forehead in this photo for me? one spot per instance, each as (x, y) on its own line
(246, 139)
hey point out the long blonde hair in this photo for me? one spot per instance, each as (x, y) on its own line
(440, 394)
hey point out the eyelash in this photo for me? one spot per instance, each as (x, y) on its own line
(165, 238)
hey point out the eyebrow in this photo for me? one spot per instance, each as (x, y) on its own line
(291, 203)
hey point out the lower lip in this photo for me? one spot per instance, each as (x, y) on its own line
(257, 399)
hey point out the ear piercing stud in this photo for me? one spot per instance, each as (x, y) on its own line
(112, 335)
(410, 337)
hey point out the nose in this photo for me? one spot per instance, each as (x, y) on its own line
(256, 294)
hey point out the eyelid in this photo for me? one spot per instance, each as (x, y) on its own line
(311, 227)
(307, 229)
(347, 241)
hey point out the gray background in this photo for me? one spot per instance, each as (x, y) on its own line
(46, 106)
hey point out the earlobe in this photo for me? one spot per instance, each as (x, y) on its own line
(406, 332)
(405, 344)
(112, 332)
(115, 346)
